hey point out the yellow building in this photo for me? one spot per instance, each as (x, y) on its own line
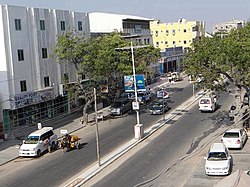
(177, 34)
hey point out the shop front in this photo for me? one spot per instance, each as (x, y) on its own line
(32, 107)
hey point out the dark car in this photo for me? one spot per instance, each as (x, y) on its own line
(159, 107)
(120, 107)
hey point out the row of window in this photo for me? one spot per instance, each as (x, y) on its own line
(167, 32)
(20, 54)
(146, 41)
(23, 85)
(18, 25)
(174, 32)
(174, 42)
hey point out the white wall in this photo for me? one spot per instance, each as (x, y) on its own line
(31, 39)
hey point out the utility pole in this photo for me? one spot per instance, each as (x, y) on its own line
(135, 87)
(97, 131)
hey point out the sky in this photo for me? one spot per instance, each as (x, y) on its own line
(167, 11)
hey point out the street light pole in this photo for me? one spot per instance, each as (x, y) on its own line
(135, 87)
(97, 131)
(193, 89)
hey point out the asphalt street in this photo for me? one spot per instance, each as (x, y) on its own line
(150, 163)
(58, 167)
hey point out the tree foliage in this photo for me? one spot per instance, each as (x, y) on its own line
(216, 56)
(101, 59)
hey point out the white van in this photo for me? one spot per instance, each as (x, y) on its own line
(38, 142)
(207, 103)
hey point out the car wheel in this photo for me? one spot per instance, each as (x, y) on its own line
(38, 153)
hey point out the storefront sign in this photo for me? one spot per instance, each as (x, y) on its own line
(29, 98)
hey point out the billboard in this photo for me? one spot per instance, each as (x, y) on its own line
(129, 83)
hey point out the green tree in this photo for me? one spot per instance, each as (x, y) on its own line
(99, 59)
(228, 56)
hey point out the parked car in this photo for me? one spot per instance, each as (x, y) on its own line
(144, 97)
(176, 76)
(120, 107)
(159, 107)
(234, 138)
(128, 96)
(218, 160)
(38, 142)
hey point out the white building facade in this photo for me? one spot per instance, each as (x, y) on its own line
(225, 27)
(29, 76)
(135, 27)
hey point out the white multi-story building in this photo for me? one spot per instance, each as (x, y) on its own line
(225, 27)
(29, 75)
(134, 27)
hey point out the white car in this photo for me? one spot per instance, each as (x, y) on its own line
(38, 142)
(218, 160)
(234, 138)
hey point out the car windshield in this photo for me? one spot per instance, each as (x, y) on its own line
(217, 156)
(32, 140)
(231, 135)
(116, 104)
(157, 105)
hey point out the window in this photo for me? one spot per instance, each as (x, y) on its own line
(23, 86)
(185, 30)
(42, 25)
(166, 42)
(195, 28)
(173, 31)
(20, 55)
(185, 42)
(18, 24)
(156, 33)
(166, 32)
(173, 42)
(79, 25)
(63, 25)
(44, 53)
(138, 28)
(157, 44)
(46, 82)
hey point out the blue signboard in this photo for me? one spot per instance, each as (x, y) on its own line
(129, 84)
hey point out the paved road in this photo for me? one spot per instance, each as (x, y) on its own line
(58, 167)
(150, 163)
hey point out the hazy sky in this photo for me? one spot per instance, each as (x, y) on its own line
(210, 11)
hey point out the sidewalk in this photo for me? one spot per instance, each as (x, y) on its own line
(9, 150)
